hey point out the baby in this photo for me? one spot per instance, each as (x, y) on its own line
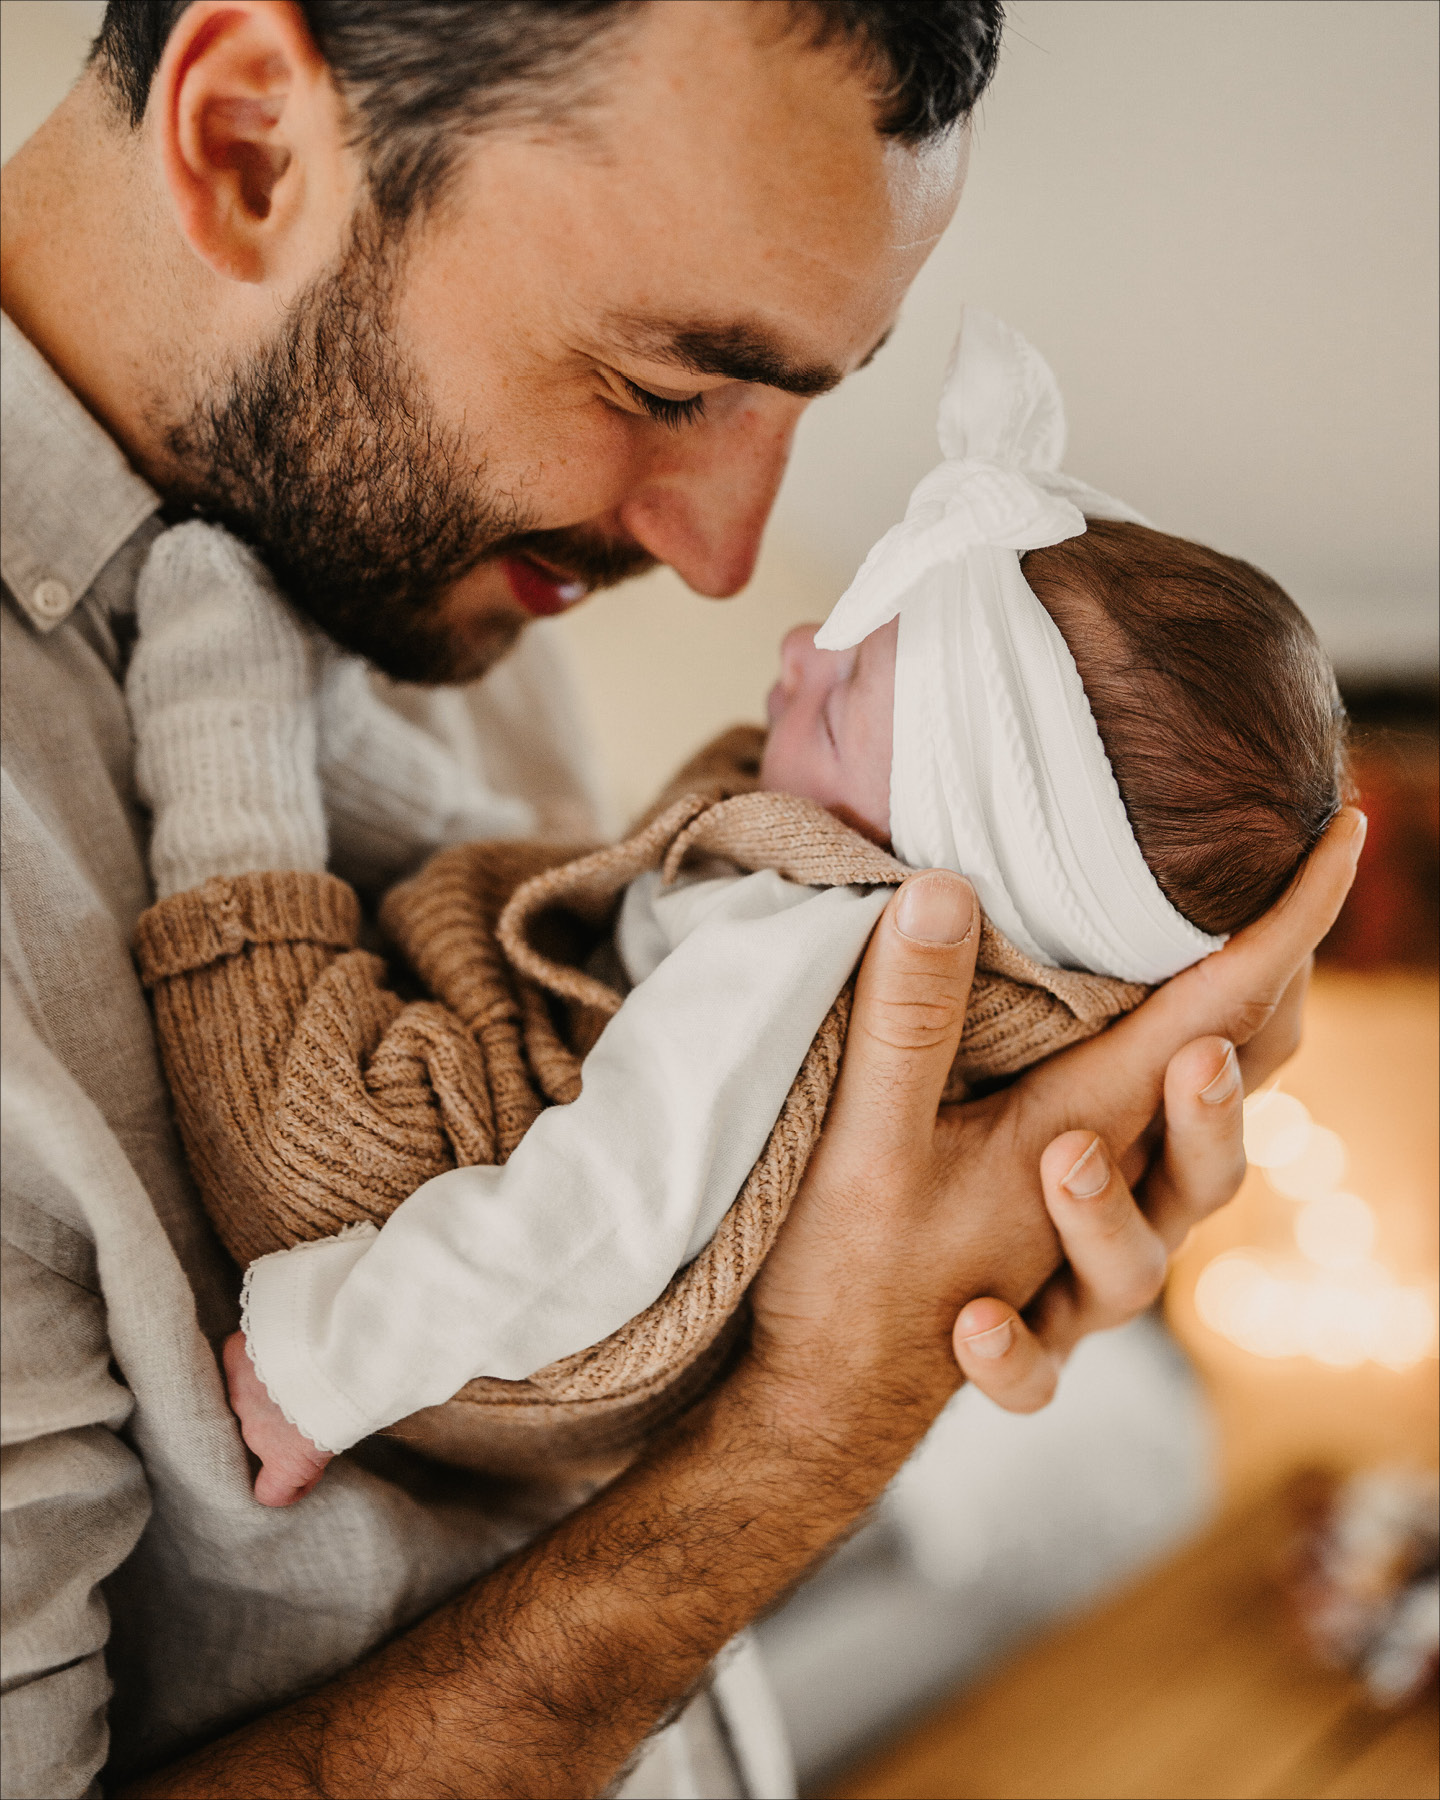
(1129, 743)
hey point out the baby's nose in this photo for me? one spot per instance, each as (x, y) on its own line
(797, 651)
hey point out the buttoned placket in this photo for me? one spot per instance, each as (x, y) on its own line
(69, 498)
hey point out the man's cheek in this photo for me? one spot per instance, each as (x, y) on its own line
(585, 482)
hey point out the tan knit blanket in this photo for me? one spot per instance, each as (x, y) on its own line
(311, 1096)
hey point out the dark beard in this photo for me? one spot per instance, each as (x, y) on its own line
(324, 453)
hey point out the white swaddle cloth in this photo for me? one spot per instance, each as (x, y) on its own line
(999, 771)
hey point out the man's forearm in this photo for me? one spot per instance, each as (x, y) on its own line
(546, 1676)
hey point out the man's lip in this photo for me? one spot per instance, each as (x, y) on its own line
(541, 591)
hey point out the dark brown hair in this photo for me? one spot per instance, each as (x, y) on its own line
(422, 75)
(1217, 707)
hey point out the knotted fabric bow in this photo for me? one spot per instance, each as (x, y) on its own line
(999, 771)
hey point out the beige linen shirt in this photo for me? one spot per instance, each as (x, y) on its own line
(149, 1603)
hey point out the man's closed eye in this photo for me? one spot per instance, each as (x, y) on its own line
(674, 413)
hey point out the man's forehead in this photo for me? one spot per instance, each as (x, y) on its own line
(736, 152)
(736, 216)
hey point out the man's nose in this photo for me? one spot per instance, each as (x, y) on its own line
(702, 503)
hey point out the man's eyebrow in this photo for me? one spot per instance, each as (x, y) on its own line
(737, 352)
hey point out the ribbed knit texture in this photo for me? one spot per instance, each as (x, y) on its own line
(221, 695)
(310, 1097)
(392, 792)
(246, 720)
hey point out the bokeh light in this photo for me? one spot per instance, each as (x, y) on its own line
(1333, 1302)
(1276, 1310)
(1318, 1168)
(1406, 1330)
(1277, 1129)
(1336, 1231)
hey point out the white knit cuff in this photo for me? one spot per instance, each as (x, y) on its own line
(221, 695)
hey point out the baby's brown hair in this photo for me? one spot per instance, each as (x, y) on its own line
(1216, 704)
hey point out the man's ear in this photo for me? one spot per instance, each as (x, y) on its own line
(250, 131)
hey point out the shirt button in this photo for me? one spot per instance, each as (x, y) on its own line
(51, 599)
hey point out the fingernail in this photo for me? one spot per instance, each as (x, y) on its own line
(1090, 1175)
(936, 909)
(992, 1343)
(1226, 1082)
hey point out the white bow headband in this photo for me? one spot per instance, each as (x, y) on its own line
(999, 771)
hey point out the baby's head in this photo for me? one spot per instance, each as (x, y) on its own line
(1215, 703)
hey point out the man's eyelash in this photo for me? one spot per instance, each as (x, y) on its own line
(674, 413)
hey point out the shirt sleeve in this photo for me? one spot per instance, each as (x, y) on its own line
(75, 1499)
(500, 1271)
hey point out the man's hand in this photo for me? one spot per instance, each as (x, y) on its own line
(545, 1676)
(910, 1213)
(1115, 1254)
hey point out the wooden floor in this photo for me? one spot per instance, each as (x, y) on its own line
(1190, 1684)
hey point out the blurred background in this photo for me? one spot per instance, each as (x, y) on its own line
(1217, 219)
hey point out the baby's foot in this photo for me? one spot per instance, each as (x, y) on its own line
(290, 1465)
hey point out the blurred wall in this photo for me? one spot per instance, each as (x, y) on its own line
(1217, 218)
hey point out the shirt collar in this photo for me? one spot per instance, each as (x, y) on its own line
(68, 497)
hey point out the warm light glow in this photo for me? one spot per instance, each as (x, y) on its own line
(1318, 1168)
(1343, 1320)
(1338, 1306)
(1277, 1129)
(1406, 1331)
(1337, 1231)
(1238, 1297)
(1335, 1323)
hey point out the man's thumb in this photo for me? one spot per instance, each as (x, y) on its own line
(909, 1009)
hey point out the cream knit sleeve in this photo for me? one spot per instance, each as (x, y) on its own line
(261, 746)
(221, 690)
(392, 791)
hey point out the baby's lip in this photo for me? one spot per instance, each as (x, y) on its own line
(542, 591)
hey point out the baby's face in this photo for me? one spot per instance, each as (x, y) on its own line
(831, 718)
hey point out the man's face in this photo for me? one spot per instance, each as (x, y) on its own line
(592, 355)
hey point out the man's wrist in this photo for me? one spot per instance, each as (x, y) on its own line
(566, 1656)
(839, 1419)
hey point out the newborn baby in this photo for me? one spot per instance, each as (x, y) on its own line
(1128, 742)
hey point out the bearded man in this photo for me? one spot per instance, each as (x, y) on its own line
(457, 312)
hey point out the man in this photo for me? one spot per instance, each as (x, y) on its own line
(457, 312)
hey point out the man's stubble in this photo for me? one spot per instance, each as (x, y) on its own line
(324, 452)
